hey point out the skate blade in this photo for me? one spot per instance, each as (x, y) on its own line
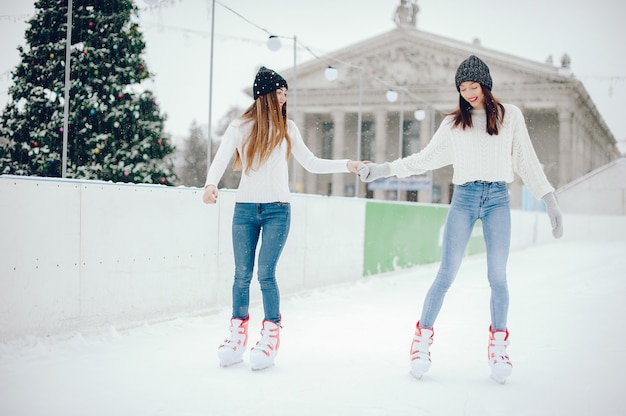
(500, 380)
(417, 376)
(262, 368)
(225, 365)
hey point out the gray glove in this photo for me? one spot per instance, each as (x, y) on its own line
(554, 213)
(369, 172)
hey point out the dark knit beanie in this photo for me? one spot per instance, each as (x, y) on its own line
(475, 70)
(267, 80)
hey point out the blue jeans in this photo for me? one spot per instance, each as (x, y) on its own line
(271, 222)
(489, 202)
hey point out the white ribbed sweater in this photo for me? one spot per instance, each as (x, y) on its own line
(475, 155)
(270, 181)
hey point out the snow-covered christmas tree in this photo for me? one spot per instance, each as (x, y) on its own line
(192, 171)
(115, 124)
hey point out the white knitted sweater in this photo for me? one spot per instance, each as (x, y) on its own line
(270, 181)
(477, 156)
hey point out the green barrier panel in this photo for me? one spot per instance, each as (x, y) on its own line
(399, 236)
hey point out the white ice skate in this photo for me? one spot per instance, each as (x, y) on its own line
(499, 361)
(231, 351)
(420, 355)
(262, 355)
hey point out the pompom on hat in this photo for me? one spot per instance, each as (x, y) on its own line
(267, 80)
(475, 70)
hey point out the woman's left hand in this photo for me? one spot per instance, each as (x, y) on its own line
(554, 213)
(353, 166)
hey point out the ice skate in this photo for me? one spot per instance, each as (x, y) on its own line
(499, 361)
(262, 355)
(231, 351)
(420, 355)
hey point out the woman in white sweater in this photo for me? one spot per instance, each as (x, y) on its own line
(262, 140)
(486, 142)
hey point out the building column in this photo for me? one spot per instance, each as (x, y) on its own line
(339, 148)
(380, 146)
(565, 156)
(426, 134)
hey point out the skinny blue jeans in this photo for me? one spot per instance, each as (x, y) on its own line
(489, 202)
(270, 222)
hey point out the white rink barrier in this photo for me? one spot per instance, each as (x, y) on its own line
(82, 254)
(76, 255)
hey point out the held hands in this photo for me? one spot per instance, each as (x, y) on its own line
(554, 213)
(369, 172)
(353, 166)
(210, 194)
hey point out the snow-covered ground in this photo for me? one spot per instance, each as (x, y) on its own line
(345, 351)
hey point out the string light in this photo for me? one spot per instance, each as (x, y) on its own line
(274, 43)
(392, 96)
(331, 73)
(419, 115)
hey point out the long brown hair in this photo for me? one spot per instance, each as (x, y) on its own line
(269, 129)
(493, 109)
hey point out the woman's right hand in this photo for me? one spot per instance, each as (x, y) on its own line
(210, 194)
(369, 172)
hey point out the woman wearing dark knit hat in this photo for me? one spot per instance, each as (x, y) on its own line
(262, 140)
(486, 142)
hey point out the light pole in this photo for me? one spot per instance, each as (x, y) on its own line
(359, 130)
(274, 44)
(419, 115)
(210, 139)
(331, 73)
(209, 126)
(392, 97)
(66, 104)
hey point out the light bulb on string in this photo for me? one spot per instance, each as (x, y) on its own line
(419, 114)
(331, 73)
(392, 96)
(274, 43)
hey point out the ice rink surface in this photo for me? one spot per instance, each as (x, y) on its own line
(344, 351)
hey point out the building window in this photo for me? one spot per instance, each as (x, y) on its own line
(410, 137)
(410, 145)
(367, 140)
(328, 134)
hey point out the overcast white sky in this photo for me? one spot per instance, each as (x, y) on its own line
(178, 43)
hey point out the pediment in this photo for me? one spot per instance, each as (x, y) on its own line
(416, 59)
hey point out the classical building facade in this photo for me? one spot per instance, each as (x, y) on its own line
(392, 90)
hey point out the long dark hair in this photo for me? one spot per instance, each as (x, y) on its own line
(493, 109)
(267, 118)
